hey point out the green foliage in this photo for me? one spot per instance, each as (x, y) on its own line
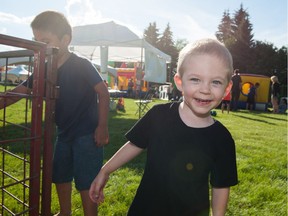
(236, 32)
(151, 34)
(225, 33)
(261, 145)
(251, 56)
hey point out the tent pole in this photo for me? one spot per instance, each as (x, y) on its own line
(140, 87)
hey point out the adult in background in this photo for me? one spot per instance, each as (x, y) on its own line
(275, 93)
(130, 88)
(236, 89)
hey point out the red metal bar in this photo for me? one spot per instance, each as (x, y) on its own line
(39, 50)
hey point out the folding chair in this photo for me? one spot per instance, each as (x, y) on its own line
(143, 104)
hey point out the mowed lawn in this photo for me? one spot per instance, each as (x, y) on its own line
(261, 145)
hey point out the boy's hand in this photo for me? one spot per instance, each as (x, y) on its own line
(101, 136)
(96, 193)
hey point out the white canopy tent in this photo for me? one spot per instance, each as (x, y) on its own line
(26, 57)
(113, 42)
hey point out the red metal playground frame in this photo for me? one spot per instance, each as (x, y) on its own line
(25, 187)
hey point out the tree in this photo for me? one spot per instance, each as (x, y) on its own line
(281, 69)
(180, 44)
(166, 40)
(242, 33)
(151, 34)
(264, 57)
(225, 33)
(242, 28)
(236, 34)
(166, 45)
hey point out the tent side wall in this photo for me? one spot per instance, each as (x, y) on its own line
(121, 45)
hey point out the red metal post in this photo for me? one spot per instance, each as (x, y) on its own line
(51, 95)
(36, 131)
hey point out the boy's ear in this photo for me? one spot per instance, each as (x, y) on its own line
(66, 39)
(178, 82)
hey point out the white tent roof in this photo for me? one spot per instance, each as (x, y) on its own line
(89, 37)
(19, 70)
(113, 42)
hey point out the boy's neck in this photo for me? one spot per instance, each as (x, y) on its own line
(63, 58)
(191, 120)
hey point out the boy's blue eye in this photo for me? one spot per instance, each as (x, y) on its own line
(195, 80)
(217, 82)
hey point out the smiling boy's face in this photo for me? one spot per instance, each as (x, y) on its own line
(204, 83)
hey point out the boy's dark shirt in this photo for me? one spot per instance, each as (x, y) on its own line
(76, 106)
(180, 160)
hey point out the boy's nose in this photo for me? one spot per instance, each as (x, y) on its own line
(205, 88)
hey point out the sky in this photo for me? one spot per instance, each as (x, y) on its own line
(188, 19)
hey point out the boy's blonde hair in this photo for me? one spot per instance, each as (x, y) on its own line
(206, 47)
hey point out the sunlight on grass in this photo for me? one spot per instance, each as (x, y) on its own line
(261, 145)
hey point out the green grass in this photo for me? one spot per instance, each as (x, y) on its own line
(261, 145)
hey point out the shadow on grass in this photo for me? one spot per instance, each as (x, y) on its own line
(254, 119)
(274, 116)
(16, 139)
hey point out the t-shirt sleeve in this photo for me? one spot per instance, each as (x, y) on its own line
(224, 172)
(90, 73)
(139, 133)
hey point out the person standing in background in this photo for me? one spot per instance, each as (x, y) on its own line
(236, 89)
(226, 102)
(251, 97)
(275, 93)
(130, 88)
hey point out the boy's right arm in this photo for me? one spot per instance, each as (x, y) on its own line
(126, 153)
(20, 89)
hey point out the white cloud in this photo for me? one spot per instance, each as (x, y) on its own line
(190, 29)
(13, 19)
(82, 12)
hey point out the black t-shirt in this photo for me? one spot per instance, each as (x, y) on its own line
(180, 162)
(76, 107)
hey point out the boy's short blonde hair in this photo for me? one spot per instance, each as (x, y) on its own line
(205, 47)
